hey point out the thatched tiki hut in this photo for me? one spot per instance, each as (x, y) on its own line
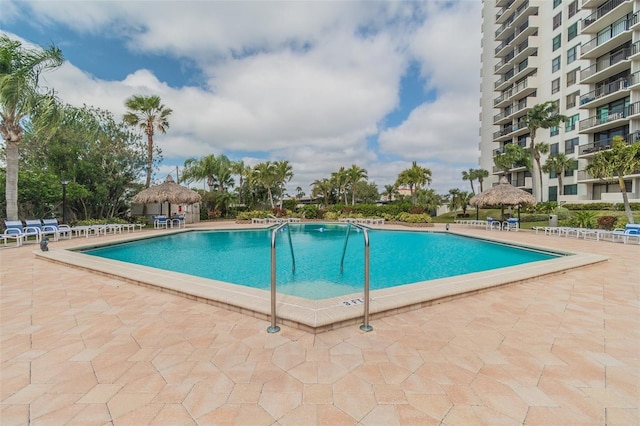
(173, 194)
(503, 194)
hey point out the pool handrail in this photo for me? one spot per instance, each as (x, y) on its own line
(365, 326)
(274, 328)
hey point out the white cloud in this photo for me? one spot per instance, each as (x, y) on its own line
(308, 82)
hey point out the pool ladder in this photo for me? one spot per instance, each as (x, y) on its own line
(273, 328)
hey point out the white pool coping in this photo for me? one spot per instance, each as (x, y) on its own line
(314, 315)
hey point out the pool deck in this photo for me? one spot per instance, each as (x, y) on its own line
(84, 348)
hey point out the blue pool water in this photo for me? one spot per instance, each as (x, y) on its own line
(244, 257)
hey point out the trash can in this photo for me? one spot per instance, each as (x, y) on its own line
(553, 220)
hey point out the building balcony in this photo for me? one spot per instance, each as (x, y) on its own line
(606, 67)
(635, 50)
(607, 93)
(591, 4)
(605, 15)
(619, 33)
(608, 120)
(516, 110)
(584, 176)
(510, 131)
(588, 150)
(515, 19)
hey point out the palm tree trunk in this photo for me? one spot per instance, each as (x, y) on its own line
(11, 195)
(625, 198)
(540, 176)
(149, 159)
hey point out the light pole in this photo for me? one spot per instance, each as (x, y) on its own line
(64, 200)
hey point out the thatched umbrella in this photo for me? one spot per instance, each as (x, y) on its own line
(167, 192)
(503, 194)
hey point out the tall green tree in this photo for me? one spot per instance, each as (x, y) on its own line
(265, 176)
(322, 188)
(558, 164)
(612, 165)
(204, 168)
(414, 177)
(340, 180)
(22, 98)
(481, 175)
(541, 116)
(539, 149)
(283, 173)
(470, 175)
(390, 192)
(355, 175)
(513, 156)
(149, 114)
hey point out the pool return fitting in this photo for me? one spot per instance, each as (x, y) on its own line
(273, 328)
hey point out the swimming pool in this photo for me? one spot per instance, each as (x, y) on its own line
(397, 257)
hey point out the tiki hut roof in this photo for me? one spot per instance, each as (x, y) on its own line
(503, 194)
(167, 192)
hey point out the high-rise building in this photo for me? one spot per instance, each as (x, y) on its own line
(584, 55)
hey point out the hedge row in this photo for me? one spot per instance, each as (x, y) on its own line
(601, 206)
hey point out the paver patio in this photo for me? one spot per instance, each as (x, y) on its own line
(82, 348)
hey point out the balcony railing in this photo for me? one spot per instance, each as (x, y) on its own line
(512, 18)
(509, 129)
(603, 118)
(603, 145)
(605, 63)
(602, 10)
(614, 29)
(606, 89)
(584, 175)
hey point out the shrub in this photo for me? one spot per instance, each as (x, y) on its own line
(416, 210)
(584, 219)
(310, 211)
(331, 216)
(414, 218)
(607, 222)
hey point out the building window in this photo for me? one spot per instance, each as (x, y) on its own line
(553, 193)
(572, 54)
(570, 189)
(556, 3)
(553, 148)
(555, 85)
(571, 77)
(557, 42)
(572, 31)
(555, 64)
(554, 130)
(557, 20)
(573, 8)
(570, 145)
(570, 124)
(569, 171)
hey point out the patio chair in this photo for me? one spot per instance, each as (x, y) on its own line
(64, 231)
(178, 221)
(160, 221)
(44, 231)
(630, 232)
(512, 224)
(15, 227)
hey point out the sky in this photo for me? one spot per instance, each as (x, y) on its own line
(321, 84)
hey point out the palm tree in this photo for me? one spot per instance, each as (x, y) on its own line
(22, 97)
(149, 114)
(322, 188)
(539, 149)
(481, 174)
(470, 176)
(390, 192)
(340, 180)
(223, 172)
(454, 199)
(414, 178)
(614, 164)
(558, 164)
(199, 169)
(283, 173)
(354, 175)
(242, 170)
(541, 116)
(265, 176)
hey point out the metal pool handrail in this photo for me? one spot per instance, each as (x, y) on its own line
(274, 328)
(365, 326)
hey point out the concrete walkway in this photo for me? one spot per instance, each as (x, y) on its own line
(81, 348)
